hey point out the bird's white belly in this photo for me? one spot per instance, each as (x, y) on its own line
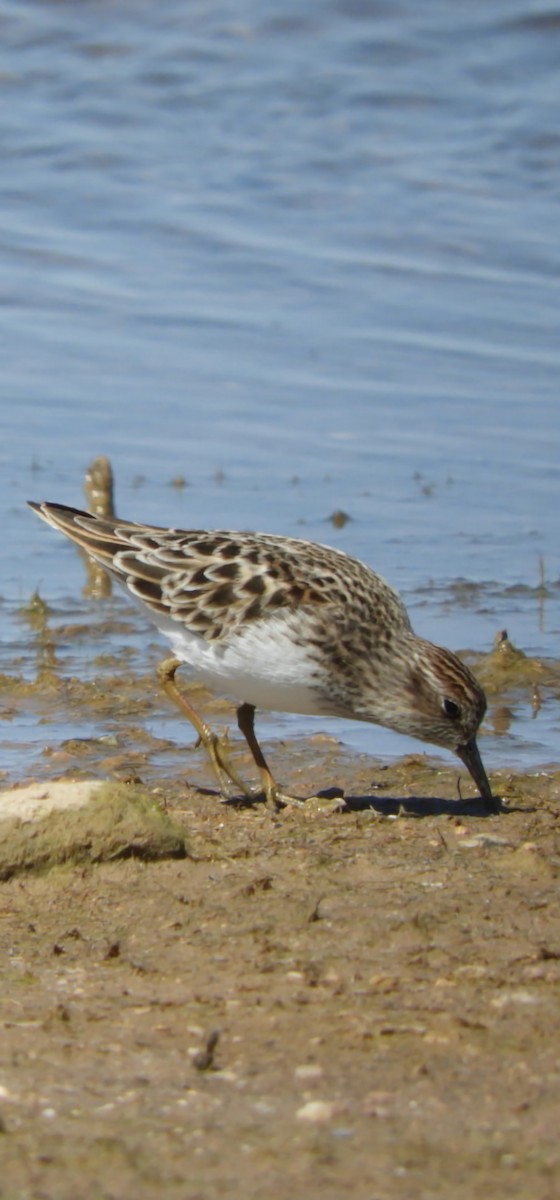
(262, 665)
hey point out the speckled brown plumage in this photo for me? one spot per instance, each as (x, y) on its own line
(284, 623)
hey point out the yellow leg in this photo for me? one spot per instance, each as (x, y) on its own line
(224, 772)
(246, 722)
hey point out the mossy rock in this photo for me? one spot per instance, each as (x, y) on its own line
(107, 821)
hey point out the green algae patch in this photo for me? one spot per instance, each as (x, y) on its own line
(112, 821)
(506, 667)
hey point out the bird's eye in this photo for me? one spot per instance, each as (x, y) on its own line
(451, 709)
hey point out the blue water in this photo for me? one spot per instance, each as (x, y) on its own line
(307, 256)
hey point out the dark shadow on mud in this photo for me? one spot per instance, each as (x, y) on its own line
(418, 806)
(387, 806)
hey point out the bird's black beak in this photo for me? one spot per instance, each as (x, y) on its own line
(470, 756)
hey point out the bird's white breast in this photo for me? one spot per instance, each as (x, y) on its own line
(262, 664)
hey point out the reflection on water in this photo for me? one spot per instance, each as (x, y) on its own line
(303, 260)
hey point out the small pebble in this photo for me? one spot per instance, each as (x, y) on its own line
(309, 1072)
(317, 1112)
(519, 996)
(483, 839)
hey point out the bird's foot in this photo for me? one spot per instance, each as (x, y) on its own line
(276, 799)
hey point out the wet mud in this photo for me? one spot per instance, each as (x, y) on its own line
(358, 997)
(359, 1002)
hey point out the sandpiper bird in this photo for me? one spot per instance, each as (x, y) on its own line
(287, 625)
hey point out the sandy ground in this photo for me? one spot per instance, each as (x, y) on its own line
(312, 1004)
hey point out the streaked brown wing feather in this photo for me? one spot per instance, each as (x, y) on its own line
(216, 581)
(211, 581)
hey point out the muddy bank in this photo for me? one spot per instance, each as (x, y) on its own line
(310, 1003)
(358, 997)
